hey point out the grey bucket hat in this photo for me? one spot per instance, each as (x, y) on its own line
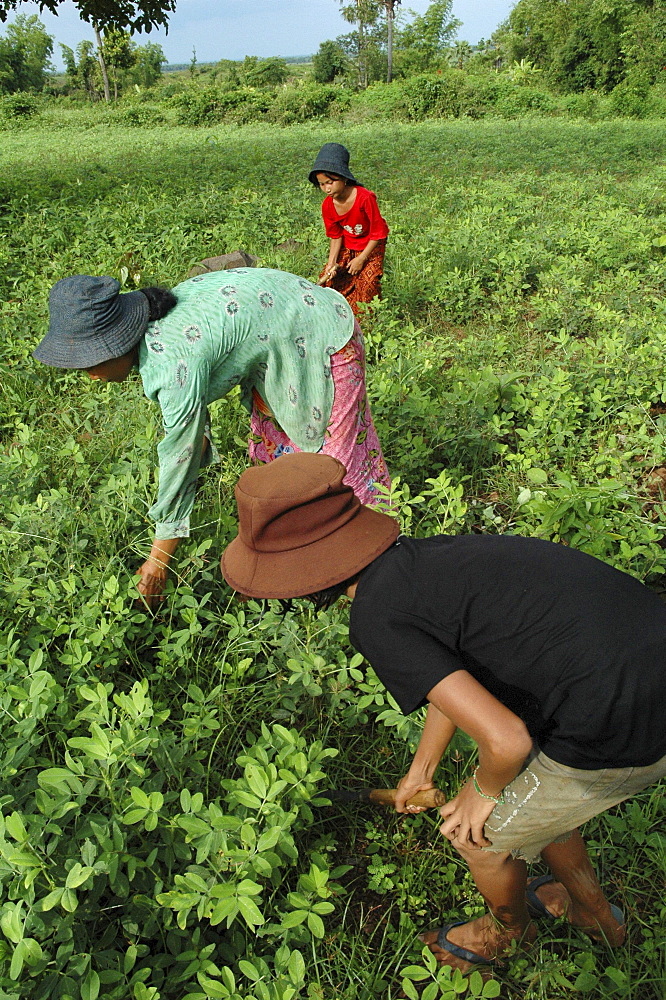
(91, 322)
(332, 159)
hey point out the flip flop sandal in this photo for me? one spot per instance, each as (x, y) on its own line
(455, 949)
(537, 909)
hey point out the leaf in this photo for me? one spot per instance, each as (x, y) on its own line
(296, 967)
(248, 888)
(316, 925)
(32, 951)
(69, 901)
(48, 902)
(16, 966)
(139, 797)
(129, 959)
(251, 912)
(249, 970)
(92, 748)
(16, 828)
(256, 779)
(475, 983)
(77, 875)
(223, 910)
(410, 990)
(59, 778)
(246, 799)
(194, 826)
(88, 852)
(323, 907)
(11, 923)
(537, 476)
(491, 989)
(214, 990)
(293, 919)
(134, 816)
(415, 972)
(269, 838)
(90, 986)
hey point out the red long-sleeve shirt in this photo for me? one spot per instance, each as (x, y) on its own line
(362, 223)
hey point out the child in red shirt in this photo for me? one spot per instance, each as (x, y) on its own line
(354, 225)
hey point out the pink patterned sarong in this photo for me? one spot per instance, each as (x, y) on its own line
(350, 436)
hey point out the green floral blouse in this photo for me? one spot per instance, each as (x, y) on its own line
(256, 327)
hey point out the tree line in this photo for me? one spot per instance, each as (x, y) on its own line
(569, 46)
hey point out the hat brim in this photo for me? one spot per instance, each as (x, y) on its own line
(62, 351)
(330, 168)
(311, 567)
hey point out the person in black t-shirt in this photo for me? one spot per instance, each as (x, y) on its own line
(551, 660)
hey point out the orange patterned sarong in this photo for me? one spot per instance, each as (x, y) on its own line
(362, 287)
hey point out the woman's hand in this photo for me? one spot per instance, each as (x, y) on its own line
(356, 265)
(154, 573)
(465, 816)
(153, 578)
(407, 787)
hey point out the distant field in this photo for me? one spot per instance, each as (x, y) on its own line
(516, 370)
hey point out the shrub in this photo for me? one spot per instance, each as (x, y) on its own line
(631, 98)
(211, 105)
(442, 96)
(17, 108)
(379, 101)
(299, 104)
(140, 114)
(515, 100)
(590, 104)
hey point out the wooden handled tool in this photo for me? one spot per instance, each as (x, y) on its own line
(431, 798)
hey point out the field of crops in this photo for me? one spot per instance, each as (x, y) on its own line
(161, 836)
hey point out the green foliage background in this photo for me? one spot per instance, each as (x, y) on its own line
(163, 830)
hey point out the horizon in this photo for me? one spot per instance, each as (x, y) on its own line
(217, 30)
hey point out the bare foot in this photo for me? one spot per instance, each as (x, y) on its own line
(554, 897)
(484, 936)
(601, 925)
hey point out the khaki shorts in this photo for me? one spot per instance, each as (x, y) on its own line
(547, 801)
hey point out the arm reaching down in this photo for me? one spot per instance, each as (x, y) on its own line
(504, 743)
(154, 571)
(437, 734)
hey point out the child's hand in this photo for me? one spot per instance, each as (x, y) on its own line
(328, 274)
(356, 265)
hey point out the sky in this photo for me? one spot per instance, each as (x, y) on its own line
(232, 29)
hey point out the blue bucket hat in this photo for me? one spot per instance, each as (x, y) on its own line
(332, 158)
(91, 322)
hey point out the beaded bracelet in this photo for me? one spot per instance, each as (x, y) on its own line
(498, 800)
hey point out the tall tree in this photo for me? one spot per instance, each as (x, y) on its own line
(147, 68)
(119, 54)
(25, 54)
(430, 33)
(131, 15)
(121, 15)
(390, 6)
(588, 43)
(102, 61)
(364, 14)
(330, 61)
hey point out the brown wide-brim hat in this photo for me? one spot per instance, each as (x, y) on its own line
(301, 529)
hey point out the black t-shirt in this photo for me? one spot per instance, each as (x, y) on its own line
(574, 647)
